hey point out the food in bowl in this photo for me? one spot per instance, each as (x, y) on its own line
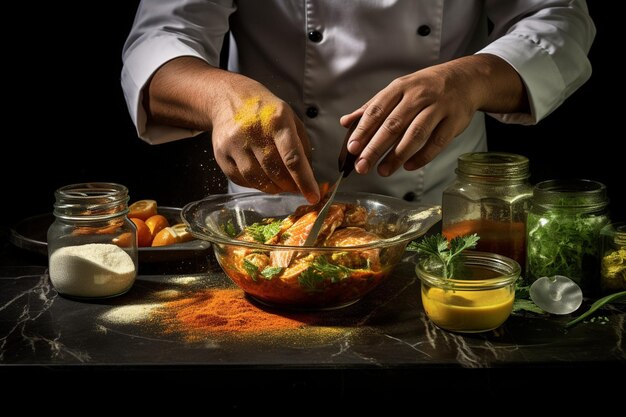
(478, 298)
(258, 238)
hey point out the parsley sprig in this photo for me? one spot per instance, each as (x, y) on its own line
(321, 270)
(439, 251)
(262, 232)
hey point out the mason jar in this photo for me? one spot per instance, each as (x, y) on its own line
(92, 245)
(613, 257)
(491, 197)
(563, 230)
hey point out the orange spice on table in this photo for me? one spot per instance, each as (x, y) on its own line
(210, 311)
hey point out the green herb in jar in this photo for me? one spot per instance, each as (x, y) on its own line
(561, 244)
(563, 231)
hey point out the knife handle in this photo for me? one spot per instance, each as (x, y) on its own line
(346, 159)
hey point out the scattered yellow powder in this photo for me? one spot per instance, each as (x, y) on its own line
(252, 115)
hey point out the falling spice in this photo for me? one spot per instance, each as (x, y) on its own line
(210, 311)
(252, 115)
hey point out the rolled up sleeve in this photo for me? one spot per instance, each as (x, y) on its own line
(547, 43)
(164, 30)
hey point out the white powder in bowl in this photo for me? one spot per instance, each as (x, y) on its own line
(92, 270)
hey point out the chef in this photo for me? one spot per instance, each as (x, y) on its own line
(418, 75)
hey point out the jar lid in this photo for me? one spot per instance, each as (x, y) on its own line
(571, 194)
(494, 164)
(615, 232)
(91, 201)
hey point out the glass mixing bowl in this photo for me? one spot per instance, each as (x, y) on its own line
(324, 277)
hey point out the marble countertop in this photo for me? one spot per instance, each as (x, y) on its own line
(386, 329)
(381, 351)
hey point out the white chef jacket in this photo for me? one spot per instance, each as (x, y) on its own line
(357, 49)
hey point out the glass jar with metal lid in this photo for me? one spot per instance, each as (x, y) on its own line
(613, 257)
(563, 227)
(92, 245)
(491, 197)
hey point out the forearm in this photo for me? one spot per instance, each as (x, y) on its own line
(496, 87)
(547, 43)
(257, 139)
(184, 92)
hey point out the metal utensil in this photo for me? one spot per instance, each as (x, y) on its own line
(346, 165)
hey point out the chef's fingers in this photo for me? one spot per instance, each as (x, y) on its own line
(251, 174)
(389, 134)
(294, 157)
(412, 139)
(374, 114)
(270, 161)
(440, 137)
(276, 177)
(347, 119)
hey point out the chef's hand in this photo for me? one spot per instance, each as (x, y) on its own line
(258, 141)
(416, 116)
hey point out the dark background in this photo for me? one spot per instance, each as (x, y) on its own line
(69, 123)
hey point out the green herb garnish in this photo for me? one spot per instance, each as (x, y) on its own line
(522, 300)
(521, 304)
(321, 270)
(309, 280)
(229, 228)
(262, 232)
(270, 272)
(562, 244)
(440, 252)
(602, 301)
(251, 269)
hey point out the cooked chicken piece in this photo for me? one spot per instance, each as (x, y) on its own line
(351, 236)
(333, 220)
(245, 236)
(296, 235)
(355, 216)
(296, 268)
(260, 260)
(354, 236)
(284, 226)
(307, 208)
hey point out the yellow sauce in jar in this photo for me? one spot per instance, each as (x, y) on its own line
(468, 311)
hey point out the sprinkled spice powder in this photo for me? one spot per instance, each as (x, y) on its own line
(209, 311)
(252, 115)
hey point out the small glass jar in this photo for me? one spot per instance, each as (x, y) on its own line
(563, 230)
(92, 245)
(478, 298)
(490, 197)
(613, 258)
